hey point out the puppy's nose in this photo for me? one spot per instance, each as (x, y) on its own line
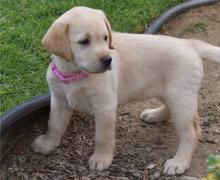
(106, 61)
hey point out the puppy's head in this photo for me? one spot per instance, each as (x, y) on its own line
(82, 35)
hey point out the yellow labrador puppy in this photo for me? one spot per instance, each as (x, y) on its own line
(141, 67)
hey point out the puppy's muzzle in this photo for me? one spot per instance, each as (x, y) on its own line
(106, 62)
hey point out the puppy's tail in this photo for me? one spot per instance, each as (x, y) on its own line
(206, 51)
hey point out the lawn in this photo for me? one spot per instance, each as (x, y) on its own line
(23, 23)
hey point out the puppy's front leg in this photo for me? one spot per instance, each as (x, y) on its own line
(60, 114)
(104, 140)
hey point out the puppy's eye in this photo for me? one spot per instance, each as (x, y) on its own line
(106, 38)
(84, 42)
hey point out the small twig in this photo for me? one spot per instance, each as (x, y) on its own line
(42, 171)
(124, 113)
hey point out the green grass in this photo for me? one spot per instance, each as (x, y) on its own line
(23, 61)
(196, 27)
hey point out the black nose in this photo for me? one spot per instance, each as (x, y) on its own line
(106, 61)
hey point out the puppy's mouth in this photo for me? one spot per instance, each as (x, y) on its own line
(104, 69)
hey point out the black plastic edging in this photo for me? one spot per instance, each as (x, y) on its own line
(176, 10)
(10, 118)
(24, 110)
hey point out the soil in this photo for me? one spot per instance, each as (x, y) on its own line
(141, 149)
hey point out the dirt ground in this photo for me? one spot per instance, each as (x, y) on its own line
(141, 149)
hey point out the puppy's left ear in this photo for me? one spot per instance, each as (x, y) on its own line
(109, 33)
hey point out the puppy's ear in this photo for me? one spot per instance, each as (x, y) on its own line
(56, 41)
(109, 33)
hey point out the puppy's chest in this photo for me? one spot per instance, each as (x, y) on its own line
(78, 99)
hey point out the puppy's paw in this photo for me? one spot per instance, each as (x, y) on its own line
(175, 167)
(43, 144)
(152, 115)
(100, 162)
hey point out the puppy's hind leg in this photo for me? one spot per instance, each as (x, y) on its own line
(183, 109)
(155, 115)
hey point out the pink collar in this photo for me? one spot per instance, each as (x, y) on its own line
(67, 78)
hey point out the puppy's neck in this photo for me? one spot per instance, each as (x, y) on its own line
(64, 66)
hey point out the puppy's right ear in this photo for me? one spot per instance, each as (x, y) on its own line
(109, 32)
(56, 41)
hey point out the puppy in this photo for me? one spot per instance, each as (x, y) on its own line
(142, 67)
